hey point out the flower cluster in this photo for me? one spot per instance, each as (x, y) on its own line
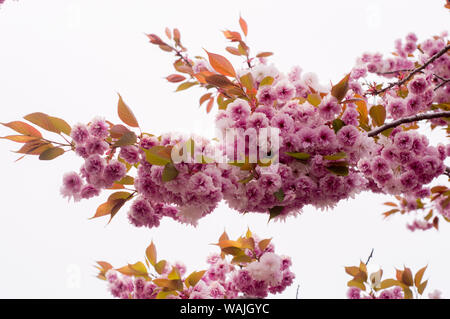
(254, 272)
(404, 286)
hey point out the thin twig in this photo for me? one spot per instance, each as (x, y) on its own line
(414, 118)
(445, 81)
(370, 256)
(296, 294)
(410, 75)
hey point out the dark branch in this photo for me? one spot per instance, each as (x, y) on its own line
(370, 256)
(447, 171)
(444, 81)
(411, 74)
(414, 118)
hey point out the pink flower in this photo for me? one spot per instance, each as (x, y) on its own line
(396, 108)
(88, 191)
(130, 153)
(114, 171)
(96, 146)
(354, 293)
(99, 128)
(329, 108)
(348, 135)
(284, 91)
(386, 294)
(257, 121)
(413, 104)
(418, 85)
(79, 133)
(266, 95)
(282, 121)
(239, 109)
(94, 165)
(71, 184)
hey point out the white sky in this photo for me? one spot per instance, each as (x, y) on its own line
(69, 58)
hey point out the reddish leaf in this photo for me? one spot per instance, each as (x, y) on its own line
(125, 113)
(340, 90)
(221, 64)
(23, 128)
(42, 120)
(204, 98)
(168, 33)
(20, 138)
(155, 39)
(243, 25)
(264, 54)
(209, 105)
(150, 252)
(233, 50)
(174, 78)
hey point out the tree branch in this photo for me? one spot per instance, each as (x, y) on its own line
(370, 256)
(414, 118)
(410, 75)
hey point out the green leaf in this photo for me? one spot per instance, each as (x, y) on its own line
(194, 278)
(247, 81)
(158, 155)
(378, 114)
(61, 125)
(337, 125)
(51, 153)
(185, 86)
(314, 99)
(338, 170)
(128, 138)
(275, 212)
(169, 173)
(299, 156)
(126, 180)
(159, 266)
(335, 157)
(268, 80)
(279, 194)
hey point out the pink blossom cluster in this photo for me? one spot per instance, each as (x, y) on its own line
(98, 171)
(404, 163)
(423, 89)
(392, 293)
(339, 158)
(269, 273)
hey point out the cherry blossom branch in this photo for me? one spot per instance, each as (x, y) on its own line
(410, 75)
(414, 118)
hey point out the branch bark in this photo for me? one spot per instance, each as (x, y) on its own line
(410, 75)
(414, 118)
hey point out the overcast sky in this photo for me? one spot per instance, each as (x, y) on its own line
(70, 58)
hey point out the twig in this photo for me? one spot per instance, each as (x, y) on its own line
(445, 81)
(447, 171)
(414, 118)
(296, 294)
(370, 256)
(410, 75)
